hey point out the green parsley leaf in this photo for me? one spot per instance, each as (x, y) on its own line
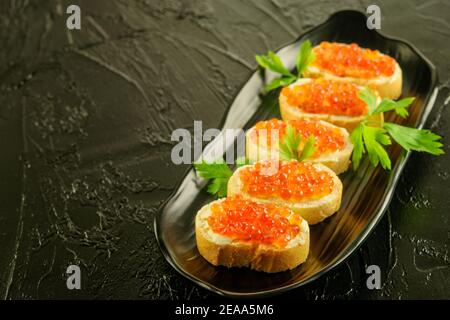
(218, 186)
(308, 149)
(358, 145)
(273, 62)
(289, 144)
(374, 139)
(279, 82)
(399, 106)
(304, 57)
(218, 172)
(415, 139)
(218, 169)
(369, 98)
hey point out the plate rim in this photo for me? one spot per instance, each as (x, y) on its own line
(367, 230)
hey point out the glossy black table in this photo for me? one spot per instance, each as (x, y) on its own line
(85, 124)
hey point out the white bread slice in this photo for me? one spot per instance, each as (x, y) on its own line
(290, 112)
(225, 251)
(338, 161)
(388, 87)
(313, 211)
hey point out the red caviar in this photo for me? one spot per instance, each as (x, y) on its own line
(327, 138)
(247, 220)
(350, 60)
(292, 181)
(321, 96)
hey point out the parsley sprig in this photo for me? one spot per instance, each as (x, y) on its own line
(290, 143)
(371, 140)
(273, 63)
(218, 173)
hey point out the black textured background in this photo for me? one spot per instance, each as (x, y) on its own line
(85, 124)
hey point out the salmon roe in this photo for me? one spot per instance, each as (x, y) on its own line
(292, 181)
(247, 220)
(321, 96)
(327, 138)
(350, 60)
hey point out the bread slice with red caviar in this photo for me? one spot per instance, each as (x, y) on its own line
(329, 100)
(351, 63)
(311, 190)
(237, 232)
(333, 146)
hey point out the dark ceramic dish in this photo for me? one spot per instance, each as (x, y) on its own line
(367, 192)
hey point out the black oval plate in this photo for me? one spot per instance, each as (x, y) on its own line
(367, 192)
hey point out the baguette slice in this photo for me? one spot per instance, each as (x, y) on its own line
(337, 159)
(387, 86)
(292, 112)
(313, 210)
(224, 250)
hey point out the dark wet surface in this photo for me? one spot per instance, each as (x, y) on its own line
(85, 124)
